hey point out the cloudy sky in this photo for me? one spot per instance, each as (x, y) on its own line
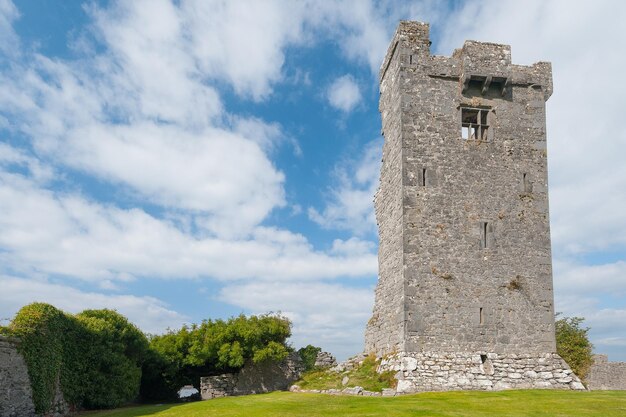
(182, 160)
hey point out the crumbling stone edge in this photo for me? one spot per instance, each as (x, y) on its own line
(387, 392)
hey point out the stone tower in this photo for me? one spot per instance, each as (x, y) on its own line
(464, 298)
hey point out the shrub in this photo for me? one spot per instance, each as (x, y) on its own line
(309, 356)
(573, 345)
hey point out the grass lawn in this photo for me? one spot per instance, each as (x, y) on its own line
(500, 404)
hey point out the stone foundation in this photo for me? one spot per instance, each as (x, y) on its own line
(429, 371)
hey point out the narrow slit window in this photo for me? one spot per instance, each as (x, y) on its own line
(475, 123)
(411, 59)
(484, 227)
(526, 184)
(423, 177)
(481, 316)
(487, 239)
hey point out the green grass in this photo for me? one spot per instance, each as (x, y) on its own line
(454, 404)
(364, 376)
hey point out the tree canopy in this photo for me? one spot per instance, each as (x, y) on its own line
(181, 357)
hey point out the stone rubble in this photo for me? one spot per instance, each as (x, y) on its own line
(325, 360)
(387, 392)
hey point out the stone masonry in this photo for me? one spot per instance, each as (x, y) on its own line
(465, 269)
(254, 379)
(605, 375)
(15, 391)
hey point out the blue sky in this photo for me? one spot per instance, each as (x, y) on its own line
(186, 160)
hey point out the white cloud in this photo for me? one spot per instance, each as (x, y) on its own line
(332, 316)
(65, 234)
(148, 52)
(344, 93)
(140, 115)
(352, 246)
(361, 29)
(243, 42)
(10, 156)
(573, 277)
(350, 205)
(149, 314)
(8, 39)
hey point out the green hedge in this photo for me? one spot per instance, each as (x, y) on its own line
(95, 356)
(101, 360)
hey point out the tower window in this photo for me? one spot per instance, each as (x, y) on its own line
(475, 123)
(481, 317)
(486, 235)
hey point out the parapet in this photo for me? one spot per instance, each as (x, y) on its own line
(483, 64)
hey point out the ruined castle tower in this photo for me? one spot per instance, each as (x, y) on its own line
(464, 298)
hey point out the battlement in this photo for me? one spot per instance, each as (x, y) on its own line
(476, 63)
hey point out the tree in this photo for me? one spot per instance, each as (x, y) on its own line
(309, 356)
(573, 345)
(214, 346)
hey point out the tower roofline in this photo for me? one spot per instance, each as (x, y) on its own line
(475, 59)
(407, 30)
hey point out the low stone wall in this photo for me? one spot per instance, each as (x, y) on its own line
(16, 398)
(423, 371)
(605, 375)
(254, 379)
(217, 386)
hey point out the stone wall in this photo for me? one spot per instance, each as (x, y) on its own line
(217, 386)
(490, 371)
(325, 360)
(15, 390)
(254, 379)
(385, 329)
(605, 375)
